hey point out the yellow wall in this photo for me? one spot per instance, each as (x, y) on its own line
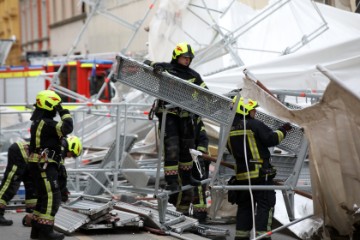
(10, 26)
(258, 4)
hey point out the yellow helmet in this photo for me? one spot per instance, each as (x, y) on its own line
(183, 49)
(74, 145)
(244, 107)
(47, 100)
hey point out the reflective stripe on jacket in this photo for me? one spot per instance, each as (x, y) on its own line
(259, 137)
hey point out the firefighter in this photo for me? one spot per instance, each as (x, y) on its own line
(15, 173)
(200, 171)
(179, 126)
(259, 137)
(45, 160)
(71, 148)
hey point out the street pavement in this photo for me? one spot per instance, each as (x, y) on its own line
(18, 232)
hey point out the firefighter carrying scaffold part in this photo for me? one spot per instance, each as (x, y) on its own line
(45, 160)
(179, 127)
(252, 166)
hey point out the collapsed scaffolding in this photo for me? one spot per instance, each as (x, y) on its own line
(296, 151)
(206, 104)
(217, 108)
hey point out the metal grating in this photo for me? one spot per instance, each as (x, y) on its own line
(68, 221)
(294, 137)
(89, 205)
(185, 224)
(205, 230)
(151, 215)
(125, 217)
(284, 166)
(174, 90)
(115, 219)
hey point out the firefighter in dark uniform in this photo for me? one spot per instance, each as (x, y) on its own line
(45, 160)
(200, 171)
(71, 148)
(179, 126)
(15, 173)
(259, 137)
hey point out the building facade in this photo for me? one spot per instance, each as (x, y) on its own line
(10, 29)
(57, 28)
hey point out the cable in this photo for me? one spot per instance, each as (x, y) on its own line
(249, 180)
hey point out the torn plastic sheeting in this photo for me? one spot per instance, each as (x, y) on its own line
(332, 127)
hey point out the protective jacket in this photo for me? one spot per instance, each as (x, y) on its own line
(259, 137)
(46, 134)
(15, 173)
(45, 163)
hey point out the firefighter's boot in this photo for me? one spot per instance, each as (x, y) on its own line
(3, 220)
(27, 220)
(46, 232)
(34, 234)
(200, 216)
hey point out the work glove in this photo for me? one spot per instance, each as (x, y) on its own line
(147, 62)
(65, 195)
(58, 107)
(158, 68)
(286, 127)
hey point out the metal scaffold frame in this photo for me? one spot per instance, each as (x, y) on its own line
(215, 107)
(221, 115)
(226, 43)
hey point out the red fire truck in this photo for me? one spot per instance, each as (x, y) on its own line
(84, 77)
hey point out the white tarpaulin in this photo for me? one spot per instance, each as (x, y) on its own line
(298, 70)
(332, 127)
(225, 33)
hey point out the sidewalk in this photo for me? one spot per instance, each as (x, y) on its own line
(18, 232)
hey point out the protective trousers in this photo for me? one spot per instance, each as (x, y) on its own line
(179, 138)
(15, 173)
(49, 199)
(264, 201)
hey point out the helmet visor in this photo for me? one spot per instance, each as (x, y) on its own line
(187, 54)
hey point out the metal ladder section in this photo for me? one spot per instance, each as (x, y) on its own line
(290, 164)
(174, 90)
(174, 221)
(215, 107)
(179, 93)
(93, 188)
(288, 158)
(88, 212)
